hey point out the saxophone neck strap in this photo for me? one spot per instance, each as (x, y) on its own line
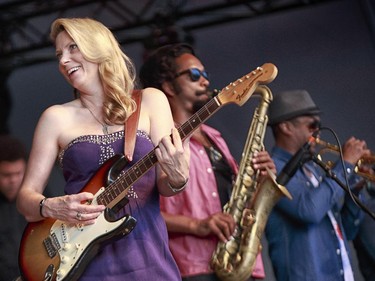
(131, 126)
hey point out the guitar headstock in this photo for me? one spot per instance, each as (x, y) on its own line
(242, 89)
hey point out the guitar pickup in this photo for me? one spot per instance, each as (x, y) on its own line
(52, 245)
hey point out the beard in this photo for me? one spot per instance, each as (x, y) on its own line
(200, 103)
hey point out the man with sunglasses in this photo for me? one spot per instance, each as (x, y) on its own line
(308, 235)
(194, 218)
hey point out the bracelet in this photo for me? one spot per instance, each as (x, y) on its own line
(41, 204)
(175, 190)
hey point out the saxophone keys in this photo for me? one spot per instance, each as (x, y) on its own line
(248, 218)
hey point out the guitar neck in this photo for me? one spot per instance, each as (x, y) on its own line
(119, 188)
(198, 118)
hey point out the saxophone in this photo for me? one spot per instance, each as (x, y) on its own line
(250, 203)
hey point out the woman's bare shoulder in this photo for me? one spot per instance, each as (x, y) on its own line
(60, 110)
(154, 98)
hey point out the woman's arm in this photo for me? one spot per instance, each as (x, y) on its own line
(42, 158)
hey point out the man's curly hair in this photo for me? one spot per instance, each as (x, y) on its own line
(161, 66)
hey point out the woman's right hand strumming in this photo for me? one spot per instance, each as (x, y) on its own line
(74, 208)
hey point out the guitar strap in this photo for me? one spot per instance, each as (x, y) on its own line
(131, 126)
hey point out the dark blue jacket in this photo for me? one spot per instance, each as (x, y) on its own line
(302, 243)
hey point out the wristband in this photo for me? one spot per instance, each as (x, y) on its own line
(41, 204)
(175, 190)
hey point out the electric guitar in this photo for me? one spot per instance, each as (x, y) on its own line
(55, 250)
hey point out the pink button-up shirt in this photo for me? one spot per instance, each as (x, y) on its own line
(199, 200)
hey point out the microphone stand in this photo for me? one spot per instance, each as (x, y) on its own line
(332, 175)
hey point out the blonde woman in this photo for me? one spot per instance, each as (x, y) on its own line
(83, 133)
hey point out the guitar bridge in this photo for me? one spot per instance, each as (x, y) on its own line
(52, 245)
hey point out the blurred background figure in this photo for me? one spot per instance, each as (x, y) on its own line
(13, 158)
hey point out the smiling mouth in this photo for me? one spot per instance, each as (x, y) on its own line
(73, 69)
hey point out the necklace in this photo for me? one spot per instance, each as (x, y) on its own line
(215, 154)
(104, 125)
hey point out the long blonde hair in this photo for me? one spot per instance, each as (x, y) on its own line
(116, 70)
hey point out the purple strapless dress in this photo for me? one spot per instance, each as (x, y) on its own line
(143, 254)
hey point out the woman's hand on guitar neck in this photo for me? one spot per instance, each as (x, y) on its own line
(174, 159)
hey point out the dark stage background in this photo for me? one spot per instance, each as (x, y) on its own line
(327, 49)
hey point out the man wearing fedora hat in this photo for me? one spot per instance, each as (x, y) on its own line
(307, 235)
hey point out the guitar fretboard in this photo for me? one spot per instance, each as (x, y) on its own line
(121, 185)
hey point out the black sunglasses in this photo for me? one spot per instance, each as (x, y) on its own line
(315, 125)
(195, 74)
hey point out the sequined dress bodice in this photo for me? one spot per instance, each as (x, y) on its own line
(144, 252)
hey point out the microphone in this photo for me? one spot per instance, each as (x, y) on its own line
(298, 159)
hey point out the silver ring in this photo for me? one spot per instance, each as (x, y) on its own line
(79, 216)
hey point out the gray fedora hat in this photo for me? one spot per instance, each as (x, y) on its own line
(290, 104)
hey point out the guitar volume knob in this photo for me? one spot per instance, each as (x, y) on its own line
(67, 246)
(64, 259)
(60, 274)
